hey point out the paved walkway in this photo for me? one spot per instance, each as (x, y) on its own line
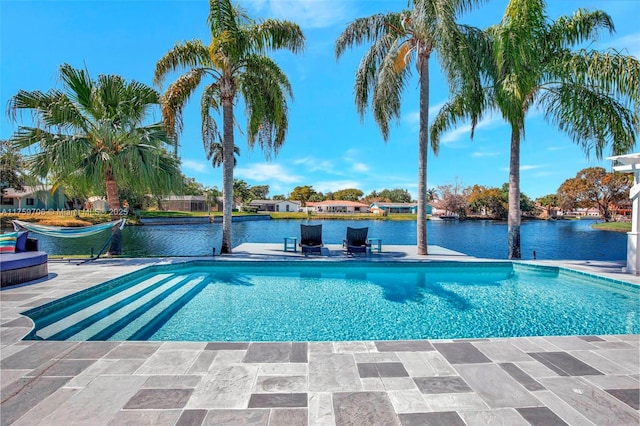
(575, 380)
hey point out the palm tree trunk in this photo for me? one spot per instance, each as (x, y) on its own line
(423, 145)
(514, 197)
(227, 167)
(113, 199)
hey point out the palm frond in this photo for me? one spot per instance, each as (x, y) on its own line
(369, 29)
(176, 97)
(274, 34)
(581, 27)
(183, 56)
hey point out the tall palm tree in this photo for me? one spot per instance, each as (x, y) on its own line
(529, 61)
(94, 132)
(397, 40)
(237, 65)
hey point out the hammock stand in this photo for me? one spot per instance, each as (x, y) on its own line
(72, 232)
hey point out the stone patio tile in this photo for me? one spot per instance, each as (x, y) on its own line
(501, 351)
(367, 370)
(415, 365)
(169, 362)
(17, 297)
(627, 337)
(613, 345)
(364, 408)
(24, 394)
(540, 416)
(90, 350)
(31, 357)
(500, 417)
(398, 383)
(372, 384)
(349, 347)
(7, 350)
(450, 418)
(376, 357)
(124, 366)
(461, 353)
(408, 401)
(202, 363)
(191, 418)
(227, 387)
(38, 414)
(277, 400)
(299, 352)
(62, 367)
(98, 403)
(23, 322)
(268, 352)
(333, 373)
(391, 369)
(600, 363)
(438, 363)
(613, 382)
(566, 412)
(536, 369)
(591, 338)
(133, 350)
(286, 369)
(320, 408)
(11, 335)
(441, 384)
(146, 399)
(228, 346)
(528, 345)
(543, 343)
(255, 417)
(280, 384)
(523, 378)
(186, 346)
(564, 364)
(496, 387)
(455, 402)
(146, 417)
(225, 357)
(404, 346)
(288, 417)
(9, 376)
(628, 358)
(570, 343)
(631, 397)
(320, 347)
(595, 404)
(186, 381)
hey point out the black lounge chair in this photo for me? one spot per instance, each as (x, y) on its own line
(311, 238)
(356, 240)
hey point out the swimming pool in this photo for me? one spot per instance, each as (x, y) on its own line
(322, 301)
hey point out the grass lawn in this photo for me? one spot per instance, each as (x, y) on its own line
(613, 226)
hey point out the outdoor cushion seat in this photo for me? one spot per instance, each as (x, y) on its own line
(23, 266)
(311, 238)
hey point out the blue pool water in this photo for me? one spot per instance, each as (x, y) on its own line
(316, 301)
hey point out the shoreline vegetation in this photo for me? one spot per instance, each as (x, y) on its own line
(79, 218)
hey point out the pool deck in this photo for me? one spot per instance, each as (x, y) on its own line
(575, 380)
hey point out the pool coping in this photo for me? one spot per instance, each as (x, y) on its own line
(468, 381)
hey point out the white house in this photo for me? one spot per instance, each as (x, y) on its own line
(336, 206)
(276, 205)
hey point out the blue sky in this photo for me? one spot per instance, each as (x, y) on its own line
(328, 146)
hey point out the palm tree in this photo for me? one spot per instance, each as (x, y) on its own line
(235, 61)
(397, 40)
(93, 132)
(216, 155)
(527, 61)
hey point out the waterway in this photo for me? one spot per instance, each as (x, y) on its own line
(571, 239)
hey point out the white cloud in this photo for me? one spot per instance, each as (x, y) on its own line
(360, 167)
(478, 154)
(412, 119)
(266, 173)
(336, 185)
(627, 45)
(313, 165)
(460, 131)
(525, 167)
(193, 165)
(306, 13)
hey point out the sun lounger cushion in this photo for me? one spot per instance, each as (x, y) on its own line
(22, 260)
(8, 242)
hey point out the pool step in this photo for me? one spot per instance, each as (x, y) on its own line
(160, 307)
(110, 307)
(154, 318)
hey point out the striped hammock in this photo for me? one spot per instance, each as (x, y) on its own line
(67, 232)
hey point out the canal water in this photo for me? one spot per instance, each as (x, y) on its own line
(570, 239)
